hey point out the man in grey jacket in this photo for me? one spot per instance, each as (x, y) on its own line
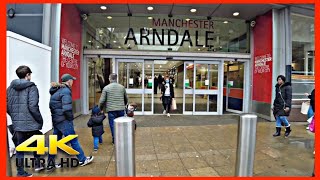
(23, 108)
(113, 96)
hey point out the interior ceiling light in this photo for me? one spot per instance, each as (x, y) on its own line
(236, 14)
(150, 17)
(150, 8)
(225, 22)
(114, 41)
(103, 7)
(193, 10)
(109, 17)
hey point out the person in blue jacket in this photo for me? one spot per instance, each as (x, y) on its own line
(96, 123)
(62, 117)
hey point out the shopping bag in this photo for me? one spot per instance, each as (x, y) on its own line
(173, 104)
(305, 107)
(312, 125)
(310, 120)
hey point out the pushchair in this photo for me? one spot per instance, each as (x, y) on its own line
(130, 108)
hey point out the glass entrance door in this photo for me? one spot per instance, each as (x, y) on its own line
(149, 87)
(188, 87)
(131, 76)
(234, 86)
(206, 97)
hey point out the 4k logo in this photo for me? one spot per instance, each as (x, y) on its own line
(54, 144)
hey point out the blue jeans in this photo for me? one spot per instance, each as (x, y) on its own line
(112, 115)
(66, 128)
(96, 141)
(18, 138)
(282, 119)
(310, 112)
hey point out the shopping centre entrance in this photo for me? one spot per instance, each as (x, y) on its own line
(202, 86)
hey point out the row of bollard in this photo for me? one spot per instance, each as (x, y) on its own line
(125, 145)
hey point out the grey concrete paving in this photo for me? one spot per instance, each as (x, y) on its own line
(196, 146)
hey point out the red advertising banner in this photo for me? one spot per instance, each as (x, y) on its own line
(262, 61)
(70, 45)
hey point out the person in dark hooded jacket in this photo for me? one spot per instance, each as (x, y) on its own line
(62, 118)
(23, 108)
(282, 105)
(96, 123)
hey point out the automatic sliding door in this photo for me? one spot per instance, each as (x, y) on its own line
(149, 87)
(188, 88)
(130, 75)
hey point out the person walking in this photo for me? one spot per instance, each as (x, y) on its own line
(167, 92)
(312, 100)
(62, 118)
(155, 83)
(312, 105)
(282, 105)
(23, 108)
(114, 98)
(96, 124)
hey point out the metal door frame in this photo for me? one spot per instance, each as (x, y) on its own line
(245, 76)
(218, 92)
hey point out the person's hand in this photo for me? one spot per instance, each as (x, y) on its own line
(306, 94)
(286, 109)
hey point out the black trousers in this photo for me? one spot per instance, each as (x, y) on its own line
(166, 102)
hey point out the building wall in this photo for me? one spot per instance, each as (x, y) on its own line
(262, 63)
(27, 20)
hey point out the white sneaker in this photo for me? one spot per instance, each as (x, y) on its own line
(38, 169)
(307, 128)
(168, 115)
(87, 161)
(164, 111)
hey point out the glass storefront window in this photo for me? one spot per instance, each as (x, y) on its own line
(160, 33)
(303, 55)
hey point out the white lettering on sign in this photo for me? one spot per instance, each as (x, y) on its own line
(68, 52)
(260, 63)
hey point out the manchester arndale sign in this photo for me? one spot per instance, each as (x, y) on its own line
(167, 36)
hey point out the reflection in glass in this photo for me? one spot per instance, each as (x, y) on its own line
(303, 55)
(233, 85)
(130, 75)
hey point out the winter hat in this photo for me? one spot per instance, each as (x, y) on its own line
(282, 77)
(95, 110)
(67, 77)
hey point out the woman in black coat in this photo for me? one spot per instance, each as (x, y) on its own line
(167, 92)
(96, 123)
(282, 105)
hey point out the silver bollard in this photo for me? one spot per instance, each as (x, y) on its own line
(125, 146)
(246, 145)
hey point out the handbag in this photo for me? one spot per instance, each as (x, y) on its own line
(312, 125)
(173, 104)
(305, 107)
